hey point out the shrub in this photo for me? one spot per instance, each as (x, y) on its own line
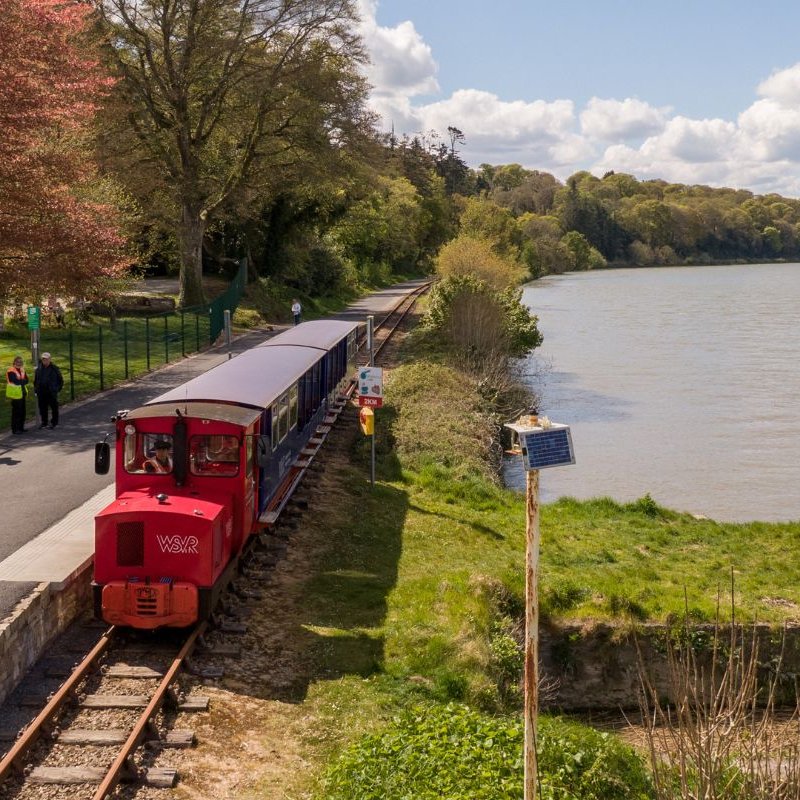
(450, 752)
(438, 419)
(474, 318)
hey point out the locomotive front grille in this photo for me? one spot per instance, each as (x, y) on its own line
(146, 606)
(130, 544)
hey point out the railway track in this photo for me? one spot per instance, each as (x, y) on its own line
(385, 327)
(125, 692)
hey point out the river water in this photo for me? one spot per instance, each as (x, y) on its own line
(683, 382)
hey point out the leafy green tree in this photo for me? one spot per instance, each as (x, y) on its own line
(772, 241)
(223, 94)
(582, 255)
(382, 231)
(485, 219)
(543, 252)
(525, 191)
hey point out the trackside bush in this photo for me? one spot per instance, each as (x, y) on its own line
(448, 752)
(472, 317)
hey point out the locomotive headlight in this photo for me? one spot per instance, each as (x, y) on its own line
(130, 430)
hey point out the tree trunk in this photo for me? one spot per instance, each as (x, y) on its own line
(193, 228)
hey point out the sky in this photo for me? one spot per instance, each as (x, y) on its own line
(689, 91)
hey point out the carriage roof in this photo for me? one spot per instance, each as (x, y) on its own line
(257, 377)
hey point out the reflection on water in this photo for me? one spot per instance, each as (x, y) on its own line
(681, 381)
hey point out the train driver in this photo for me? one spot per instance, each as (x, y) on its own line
(161, 461)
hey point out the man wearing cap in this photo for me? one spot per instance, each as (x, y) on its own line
(161, 461)
(47, 383)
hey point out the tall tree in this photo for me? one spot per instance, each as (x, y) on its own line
(53, 238)
(219, 92)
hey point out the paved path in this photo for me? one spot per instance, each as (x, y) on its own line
(48, 474)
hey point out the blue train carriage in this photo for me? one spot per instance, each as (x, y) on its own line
(294, 379)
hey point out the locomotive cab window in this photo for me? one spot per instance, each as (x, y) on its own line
(147, 452)
(214, 454)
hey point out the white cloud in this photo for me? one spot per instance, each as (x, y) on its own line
(538, 131)
(402, 65)
(782, 86)
(621, 119)
(772, 130)
(759, 150)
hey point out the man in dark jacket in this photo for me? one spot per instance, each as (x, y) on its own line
(47, 383)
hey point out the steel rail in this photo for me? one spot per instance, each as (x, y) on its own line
(117, 769)
(39, 725)
(411, 298)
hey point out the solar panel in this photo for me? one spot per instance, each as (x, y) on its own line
(551, 447)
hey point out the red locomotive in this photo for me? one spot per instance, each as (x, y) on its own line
(206, 465)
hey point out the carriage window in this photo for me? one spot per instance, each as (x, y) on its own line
(284, 416)
(275, 437)
(293, 406)
(147, 453)
(248, 455)
(215, 454)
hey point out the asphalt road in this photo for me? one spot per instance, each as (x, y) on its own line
(46, 474)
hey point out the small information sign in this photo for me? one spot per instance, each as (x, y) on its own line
(34, 318)
(370, 387)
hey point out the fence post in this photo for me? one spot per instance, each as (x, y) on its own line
(166, 339)
(183, 334)
(147, 340)
(125, 344)
(100, 351)
(71, 367)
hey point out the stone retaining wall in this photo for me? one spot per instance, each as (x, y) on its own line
(36, 621)
(598, 666)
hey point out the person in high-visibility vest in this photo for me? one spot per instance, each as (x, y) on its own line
(16, 390)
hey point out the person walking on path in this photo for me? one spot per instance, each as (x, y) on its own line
(47, 383)
(297, 310)
(16, 389)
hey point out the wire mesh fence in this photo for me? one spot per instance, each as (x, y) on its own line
(95, 357)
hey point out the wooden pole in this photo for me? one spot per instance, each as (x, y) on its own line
(531, 632)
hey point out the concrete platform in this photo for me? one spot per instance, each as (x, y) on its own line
(62, 551)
